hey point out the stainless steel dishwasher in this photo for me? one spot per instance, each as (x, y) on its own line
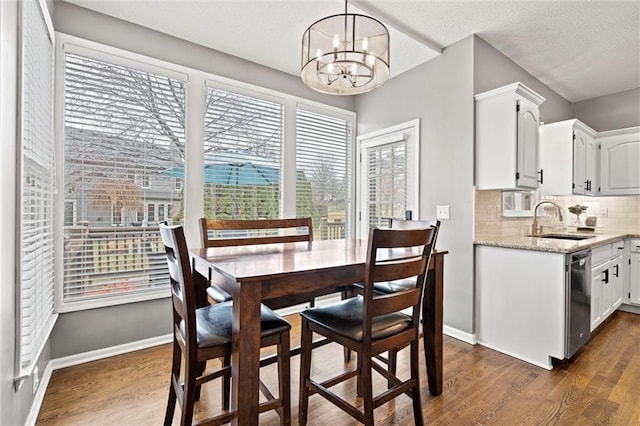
(578, 312)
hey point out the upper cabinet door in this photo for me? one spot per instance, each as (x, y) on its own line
(507, 138)
(585, 165)
(528, 173)
(591, 166)
(620, 162)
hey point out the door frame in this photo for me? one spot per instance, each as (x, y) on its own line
(409, 130)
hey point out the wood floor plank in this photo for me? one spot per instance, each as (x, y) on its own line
(599, 386)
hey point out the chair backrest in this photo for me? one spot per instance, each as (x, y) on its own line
(224, 233)
(182, 286)
(396, 254)
(416, 224)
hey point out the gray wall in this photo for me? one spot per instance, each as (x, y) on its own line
(491, 69)
(440, 94)
(615, 111)
(14, 406)
(91, 329)
(82, 331)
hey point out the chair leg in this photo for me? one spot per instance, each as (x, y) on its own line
(346, 294)
(199, 372)
(189, 398)
(175, 372)
(359, 377)
(226, 383)
(415, 391)
(284, 379)
(367, 391)
(392, 363)
(305, 371)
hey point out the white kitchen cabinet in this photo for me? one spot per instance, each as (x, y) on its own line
(616, 273)
(633, 277)
(620, 162)
(568, 156)
(607, 281)
(521, 303)
(507, 137)
(596, 296)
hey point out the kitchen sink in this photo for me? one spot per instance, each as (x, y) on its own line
(574, 237)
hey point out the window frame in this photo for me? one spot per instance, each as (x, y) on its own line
(193, 207)
(23, 372)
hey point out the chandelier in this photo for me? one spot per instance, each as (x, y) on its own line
(345, 54)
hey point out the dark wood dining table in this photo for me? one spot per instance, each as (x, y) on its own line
(273, 272)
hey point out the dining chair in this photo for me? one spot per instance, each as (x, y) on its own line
(371, 324)
(389, 287)
(204, 333)
(225, 233)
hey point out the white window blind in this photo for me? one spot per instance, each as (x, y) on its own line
(36, 259)
(243, 156)
(323, 172)
(123, 155)
(387, 183)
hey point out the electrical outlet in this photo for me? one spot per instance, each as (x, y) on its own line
(442, 212)
(36, 380)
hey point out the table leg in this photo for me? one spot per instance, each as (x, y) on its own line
(245, 360)
(432, 324)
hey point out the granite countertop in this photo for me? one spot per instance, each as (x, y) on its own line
(600, 237)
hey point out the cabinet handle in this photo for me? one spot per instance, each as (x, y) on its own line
(606, 276)
(588, 185)
(615, 274)
(541, 173)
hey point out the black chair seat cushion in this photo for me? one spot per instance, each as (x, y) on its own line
(213, 324)
(390, 287)
(345, 318)
(218, 294)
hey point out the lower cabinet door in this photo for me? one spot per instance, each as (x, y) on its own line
(596, 297)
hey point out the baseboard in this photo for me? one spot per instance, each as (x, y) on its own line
(39, 396)
(542, 364)
(81, 358)
(634, 309)
(460, 335)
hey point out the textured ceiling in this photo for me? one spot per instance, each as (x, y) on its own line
(581, 49)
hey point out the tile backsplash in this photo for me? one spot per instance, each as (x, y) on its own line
(615, 213)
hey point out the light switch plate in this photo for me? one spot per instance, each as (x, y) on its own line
(442, 212)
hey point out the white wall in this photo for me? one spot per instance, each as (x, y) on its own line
(610, 112)
(440, 94)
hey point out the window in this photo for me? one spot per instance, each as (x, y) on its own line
(323, 172)
(243, 155)
(36, 247)
(123, 139)
(387, 183)
(123, 134)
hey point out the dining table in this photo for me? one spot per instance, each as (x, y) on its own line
(271, 273)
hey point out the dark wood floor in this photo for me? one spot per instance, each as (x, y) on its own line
(600, 386)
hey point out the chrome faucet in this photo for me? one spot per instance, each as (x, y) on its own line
(534, 226)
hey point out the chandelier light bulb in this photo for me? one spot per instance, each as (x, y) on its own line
(336, 42)
(371, 60)
(330, 68)
(354, 69)
(319, 54)
(365, 44)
